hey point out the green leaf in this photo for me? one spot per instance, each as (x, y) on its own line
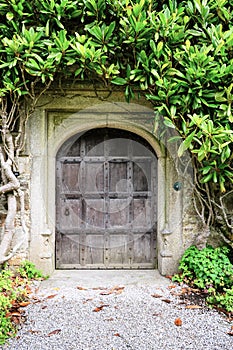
(207, 178)
(119, 81)
(168, 123)
(206, 169)
(219, 97)
(186, 144)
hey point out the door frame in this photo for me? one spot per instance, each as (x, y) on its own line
(59, 124)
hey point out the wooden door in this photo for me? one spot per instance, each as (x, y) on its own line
(106, 201)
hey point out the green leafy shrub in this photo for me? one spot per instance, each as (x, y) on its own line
(6, 326)
(223, 300)
(14, 290)
(211, 270)
(27, 269)
(7, 295)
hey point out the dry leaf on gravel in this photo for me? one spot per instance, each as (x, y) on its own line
(107, 292)
(116, 335)
(24, 303)
(33, 332)
(81, 288)
(193, 307)
(166, 301)
(114, 290)
(169, 277)
(51, 296)
(99, 308)
(56, 331)
(156, 296)
(178, 322)
(176, 294)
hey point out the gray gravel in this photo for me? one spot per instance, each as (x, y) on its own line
(130, 319)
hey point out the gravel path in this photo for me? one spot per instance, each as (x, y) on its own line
(119, 317)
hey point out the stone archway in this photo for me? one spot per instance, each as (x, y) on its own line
(52, 129)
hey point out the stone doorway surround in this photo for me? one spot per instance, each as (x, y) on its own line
(61, 117)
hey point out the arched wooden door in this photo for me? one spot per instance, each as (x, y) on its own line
(106, 201)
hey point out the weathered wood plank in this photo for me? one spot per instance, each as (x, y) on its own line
(106, 202)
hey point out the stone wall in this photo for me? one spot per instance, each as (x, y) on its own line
(64, 114)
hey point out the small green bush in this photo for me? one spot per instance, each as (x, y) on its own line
(28, 270)
(7, 296)
(13, 291)
(223, 300)
(211, 270)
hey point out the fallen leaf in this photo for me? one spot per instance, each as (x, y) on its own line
(24, 303)
(185, 290)
(230, 333)
(81, 288)
(166, 300)
(193, 307)
(36, 298)
(56, 331)
(51, 296)
(37, 301)
(169, 277)
(106, 293)
(116, 335)
(44, 307)
(172, 286)
(175, 293)
(178, 322)
(119, 291)
(109, 319)
(156, 296)
(99, 308)
(33, 332)
(116, 290)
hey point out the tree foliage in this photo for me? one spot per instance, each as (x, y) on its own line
(178, 53)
